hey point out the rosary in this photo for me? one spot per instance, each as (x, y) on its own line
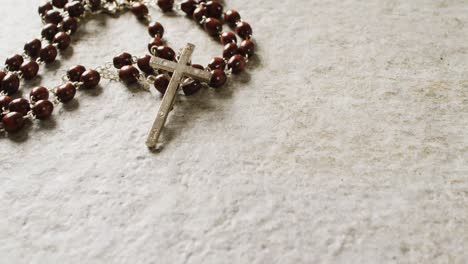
(167, 71)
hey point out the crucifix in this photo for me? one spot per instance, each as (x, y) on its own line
(179, 70)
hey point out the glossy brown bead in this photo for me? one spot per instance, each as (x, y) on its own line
(49, 31)
(39, 93)
(48, 54)
(32, 48)
(42, 10)
(247, 48)
(244, 30)
(156, 42)
(43, 109)
(59, 3)
(227, 37)
(14, 62)
(165, 5)
(199, 13)
(230, 50)
(213, 26)
(214, 9)
(236, 63)
(232, 17)
(129, 74)
(10, 83)
(29, 69)
(192, 88)
(198, 66)
(155, 29)
(217, 63)
(62, 40)
(65, 92)
(90, 79)
(19, 105)
(70, 25)
(13, 122)
(188, 6)
(144, 64)
(165, 52)
(139, 10)
(218, 78)
(75, 72)
(160, 83)
(4, 102)
(53, 17)
(122, 59)
(74, 8)
(95, 5)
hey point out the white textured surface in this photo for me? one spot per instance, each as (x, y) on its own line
(345, 142)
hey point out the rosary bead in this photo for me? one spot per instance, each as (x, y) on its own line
(156, 42)
(228, 37)
(19, 105)
(122, 60)
(155, 29)
(42, 10)
(48, 31)
(144, 64)
(14, 62)
(165, 52)
(244, 30)
(198, 66)
(90, 79)
(70, 25)
(75, 72)
(199, 13)
(236, 64)
(29, 69)
(13, 122)
(48, 54)
(39, 93)
(43, 109)
(95, 5)
(59, 3)
(10, 83)
(62, 40)
(129, 74)
(53, 17)
(218, 78)
(4, 102)
(217, 63)
(74, 8)
(166, 5)
(188, 6)
(247, 48)
(161, 82)
(2, 76)
(213, 26)
(232, 17)
(65, 92)
(139, 10)
(32, 48)
(230, 50)
(214, 9)
(192, 88)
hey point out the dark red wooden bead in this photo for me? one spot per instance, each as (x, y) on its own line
(59, 3)
(62, 40)
(166, 5)
(19, 105)
(90, 79)
(13, 122)
(70, 25)
(95, 5)
(14, 62)
(218, 78)
(49, 31)
(32, 48)
(199, 13)
(4, 102)
(74, 8)
(122, 60)
(43, 109)
(198, 66)
(75, 72)
(139, 10)
(232, 17)
(53, 17)
(155, 29)
(192, 88)
(156, 42)
(165, 52)
(29, 69)
(10, 83)
(129, 74)
(228, 37)
(144, 64)
(230, 50)
(188, 6)
(217, 63)
(161, 82)
(39, 93)
(244, 30)
(42, 10)
(48, 54)
(213, 26)
(65, 92)
(236, 63)
(214, 9)
(2, 76)
(247, 48)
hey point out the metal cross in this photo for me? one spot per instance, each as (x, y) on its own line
(179, 71)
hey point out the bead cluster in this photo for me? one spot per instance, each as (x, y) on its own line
(61, 20)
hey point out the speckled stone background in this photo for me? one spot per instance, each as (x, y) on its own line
(344, 142)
